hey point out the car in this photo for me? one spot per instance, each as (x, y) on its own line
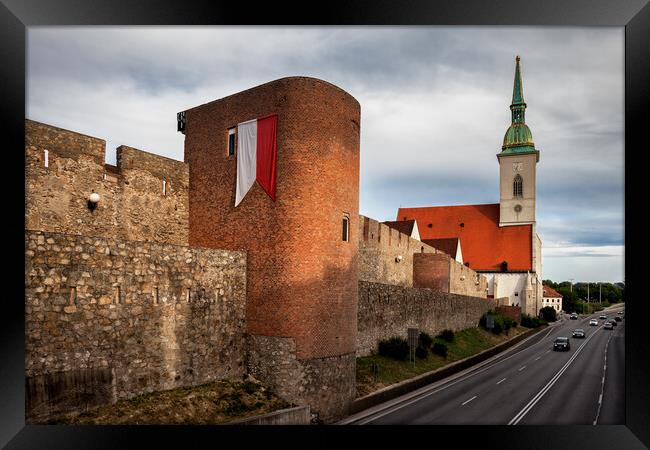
(573, 316)
(603, 317)
(613, 322)
(593, 323)
(578, 333)
(620, 313)
(609, 326)
(561, 344)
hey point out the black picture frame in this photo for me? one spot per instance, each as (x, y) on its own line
(634, 15)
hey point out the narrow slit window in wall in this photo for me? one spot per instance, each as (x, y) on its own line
(231, 142)
(155, 295)
(47, 158)
(164, 187)
(345, 228)
(117, 299)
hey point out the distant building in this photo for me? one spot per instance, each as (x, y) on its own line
(552, 298)
(499, 240)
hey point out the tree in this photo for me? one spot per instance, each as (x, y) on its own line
(548, 313)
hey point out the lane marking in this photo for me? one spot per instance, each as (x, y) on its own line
(537, 358)
(467, 401)
(526, 409)
(521, 368)
(417, 396)
(602, 383)
(502, 381)
(422, 393)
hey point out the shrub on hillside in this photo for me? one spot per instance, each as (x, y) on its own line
(440, 349)
(395, 347)
(532, 322)
(548, 313)
(421, 352)
(446, 335)
(425, 340)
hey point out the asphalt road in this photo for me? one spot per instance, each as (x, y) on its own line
(529, 384)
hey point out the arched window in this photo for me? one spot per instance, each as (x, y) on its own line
(518, 189)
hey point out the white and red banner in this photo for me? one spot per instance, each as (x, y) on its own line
(256, 151)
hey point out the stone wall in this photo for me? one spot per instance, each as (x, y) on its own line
(144, 197)
(107, 319)
(386, 311)
(442, 273)
(329, 383)
(379, 245)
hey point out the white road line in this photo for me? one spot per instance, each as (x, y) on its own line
(521, 368)
(602, 384)
(501, 381)
(537, 358)
(520, 415)
(415, 397)
(467, 401)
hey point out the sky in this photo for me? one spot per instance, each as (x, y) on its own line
(434, 109)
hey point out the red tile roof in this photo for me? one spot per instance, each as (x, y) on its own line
(449, 245)
(403, 226)
(550, 292)
(485, 244)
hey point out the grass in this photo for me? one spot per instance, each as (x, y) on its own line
(466, 343)
(212, 403)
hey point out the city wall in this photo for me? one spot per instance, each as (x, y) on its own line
(107, 319)
(386, 311)
(144, 197)
(379, 246)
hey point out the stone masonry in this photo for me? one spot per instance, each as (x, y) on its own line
(107, 319)
(386, 311)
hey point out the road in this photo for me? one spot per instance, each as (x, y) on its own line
(530, 384)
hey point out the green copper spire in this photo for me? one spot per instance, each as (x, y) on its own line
(518, 138)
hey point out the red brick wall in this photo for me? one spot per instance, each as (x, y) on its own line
(431, 270)
(302, 279)
(514, 312)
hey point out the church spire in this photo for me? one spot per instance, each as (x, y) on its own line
(518, 138)
(518, 106)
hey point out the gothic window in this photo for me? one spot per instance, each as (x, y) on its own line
(518, 190)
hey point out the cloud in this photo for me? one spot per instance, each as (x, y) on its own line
(434, 104)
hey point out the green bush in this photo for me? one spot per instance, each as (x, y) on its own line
(440, 348)
(548, 313)
(532, 322)
(446, 335)
(421, 352)
(395, 347)
(425, 340)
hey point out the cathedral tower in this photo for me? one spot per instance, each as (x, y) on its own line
(517, 162)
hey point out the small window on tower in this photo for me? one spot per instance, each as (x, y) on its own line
(231, 142)
(47, 161)
(518, 190)
(345, 228)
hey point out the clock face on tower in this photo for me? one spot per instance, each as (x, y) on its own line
(517, 167)
(517, 208)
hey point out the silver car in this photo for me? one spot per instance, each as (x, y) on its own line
(593, 323)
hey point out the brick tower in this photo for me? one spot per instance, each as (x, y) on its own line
(302, 249)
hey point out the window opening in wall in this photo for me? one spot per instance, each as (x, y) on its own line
(422, 249)
(73, 296)
(345, 228)
(155, 295)
(47, 160)
(187, 295)
(164, 187)
(231, 142)
(117, 299)
(518, 190)
(104, 177)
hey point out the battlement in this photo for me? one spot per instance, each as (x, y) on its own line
(143, 197)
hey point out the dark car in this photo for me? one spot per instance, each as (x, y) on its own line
(613, 322)
(561, 344)
(573, 316)
(618, 319)
(578, 333)
(608, 326)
